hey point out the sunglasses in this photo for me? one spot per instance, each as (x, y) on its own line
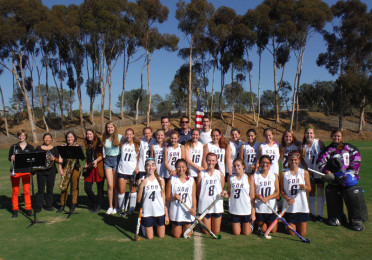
(184, 122)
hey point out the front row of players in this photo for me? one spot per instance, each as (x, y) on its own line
(248, 196)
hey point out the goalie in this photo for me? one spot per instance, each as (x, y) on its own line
(343, 160)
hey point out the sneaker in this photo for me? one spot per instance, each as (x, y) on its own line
(60, 209)
(114, 211)
(260, 233)
(29, 212)
(357, 225)
(109, 211)
(15, 214)
(334, 222)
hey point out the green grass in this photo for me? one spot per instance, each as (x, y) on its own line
(98, 236)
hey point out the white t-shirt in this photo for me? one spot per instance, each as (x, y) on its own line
(205, 137)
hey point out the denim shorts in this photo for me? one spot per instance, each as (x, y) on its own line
(110, 162)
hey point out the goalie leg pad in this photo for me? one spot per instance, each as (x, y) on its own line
(334, 202)
(356, 206)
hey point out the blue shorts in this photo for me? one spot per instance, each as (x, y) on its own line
(297, 218)
(240, 218)
(153, 221)
(180, 223)
(125, 176)
(110, 162)
(213, 215)
(265, 217)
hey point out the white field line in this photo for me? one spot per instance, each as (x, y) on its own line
(198, 245)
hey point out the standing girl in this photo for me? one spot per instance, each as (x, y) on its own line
(233, 149)
(289, 144)
(157, 152)
(20, 173)
(172, 153)
(144, 151)
(270, 148)
(266, 184)
(71, 140)
(313, 147)
(94, 172)
(241, 202)
(217, 147)
(248, 151)
(111, 147)
(181, 187)
(151, 194)
(194, 154)
(209, 185)
(128, 164)
(295, 180)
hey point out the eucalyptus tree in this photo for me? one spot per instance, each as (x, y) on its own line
(232, 92)
(193, 20)
(16, 33)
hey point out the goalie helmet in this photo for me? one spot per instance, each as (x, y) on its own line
(334, 164)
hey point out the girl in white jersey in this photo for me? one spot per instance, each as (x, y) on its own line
(248, 151)
(194, 154)
(270, 148)
(128, 164)
(181, 187)
(292, 181)
(210, 183)
(266, 184)
(144, 151)
(218, 147)
(172, 153)
(111, 144)
(233, 149)
(157, 152)
(313, 147)
(289, 144)
(151, 194)
(241, 202)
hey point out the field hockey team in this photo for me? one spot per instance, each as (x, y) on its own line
(182, 173)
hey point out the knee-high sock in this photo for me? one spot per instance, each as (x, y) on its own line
(121, 201)
(321, 200)
(312, 200)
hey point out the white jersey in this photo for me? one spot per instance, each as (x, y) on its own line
(220, 152)
(291, 185)
(273, 152)
(250, 155)
(196, 156)
(159, 160)
(173, 155)
(311, 156)
(178, 212)
(239, 201)
(289, 149)
(265, 187)
(144, 153)
(205, 137)
(153, 203)
(128, 159)
(210, 188)
(235, 148)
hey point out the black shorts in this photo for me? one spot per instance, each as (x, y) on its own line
(240, 218)
(317, 181)
(140, 175)
(297, 218)
(180, 223)
(125, 176)
(213, 215)
(265, 217)
(153, 221)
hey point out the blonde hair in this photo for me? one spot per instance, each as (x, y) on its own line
(115, 137)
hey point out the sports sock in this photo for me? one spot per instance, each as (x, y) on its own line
(121, 201)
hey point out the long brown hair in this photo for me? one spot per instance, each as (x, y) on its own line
(190, 143)
(157, 177)
(95, 143)
(136, 142)
(114, 136)
(294, 141)
(221, 142)
(75, 137)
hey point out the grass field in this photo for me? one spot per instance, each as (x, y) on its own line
(98, 236)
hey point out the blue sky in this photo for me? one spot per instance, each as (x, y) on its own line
(165, 64)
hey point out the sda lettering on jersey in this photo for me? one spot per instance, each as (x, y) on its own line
(237, 185)
(152, 187)
(265, 183)
(182, 189)
(211, 182)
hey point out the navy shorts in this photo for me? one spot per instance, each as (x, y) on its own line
(296, 218)
(125, 176)
(110, 162)
(153, 221)
(180, 223)
(265, 217)
(213, 215)
(140, 175)
(240, 218)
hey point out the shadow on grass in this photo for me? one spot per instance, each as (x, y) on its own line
(124, 226)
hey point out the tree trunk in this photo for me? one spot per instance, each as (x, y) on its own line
(211, 113)
(139, 96)
(71, 115)
(250, 89)
(232, 112)
(80, 105)
(125, 72)
(294, 95)
(259, 89)
(361, 118)
(60, 92)
(222, 86)
(190, 80)
(149, 88)
(5, 115)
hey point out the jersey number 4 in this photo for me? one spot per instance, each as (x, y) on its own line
(152, 196)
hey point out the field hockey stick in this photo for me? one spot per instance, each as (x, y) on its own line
(199, 218)
(136, 237)
(286, 223)
(326, 177)
(273, 224)
(203, 225)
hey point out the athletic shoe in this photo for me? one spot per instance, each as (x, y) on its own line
(334, 222)
(110, 211)
(114, 211)
(15, 214)
(29, 212)
(357, 225)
